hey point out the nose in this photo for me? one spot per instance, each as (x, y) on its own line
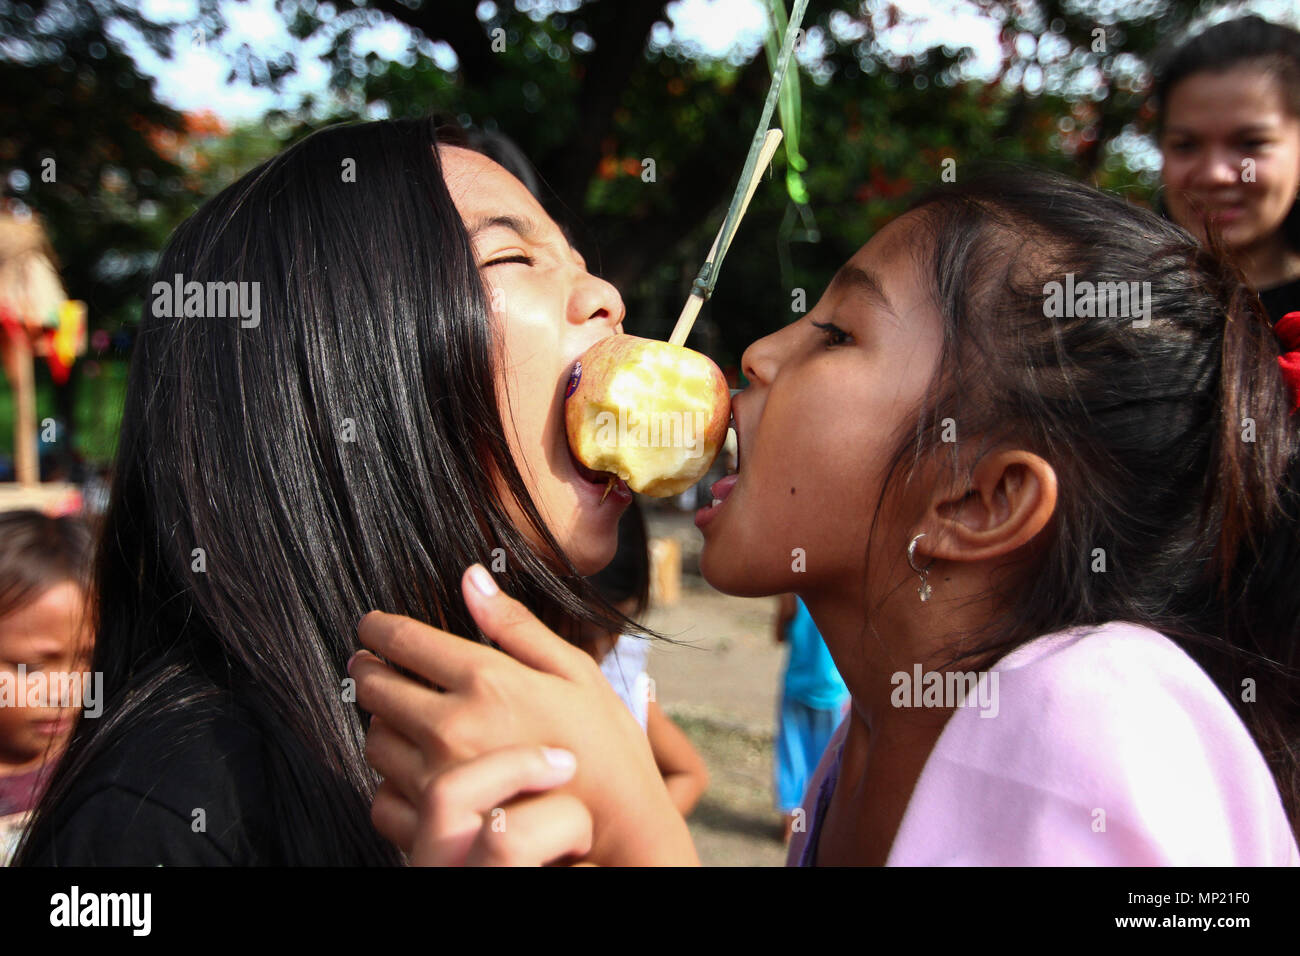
(1218, 167)
(595, 299)
(762, 359)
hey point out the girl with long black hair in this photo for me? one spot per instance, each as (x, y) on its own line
(383, 410)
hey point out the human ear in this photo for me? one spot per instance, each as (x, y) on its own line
(1009, 499)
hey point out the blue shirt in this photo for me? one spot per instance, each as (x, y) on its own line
(810, 674)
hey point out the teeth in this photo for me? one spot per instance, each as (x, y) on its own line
(716, 502)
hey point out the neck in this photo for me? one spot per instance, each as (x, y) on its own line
(1269, 262)
(11, 765)
(872, 647)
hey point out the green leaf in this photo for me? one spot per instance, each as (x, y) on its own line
(790, 106)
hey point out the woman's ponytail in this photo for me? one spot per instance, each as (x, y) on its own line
(1258, 487)
(1257, 437)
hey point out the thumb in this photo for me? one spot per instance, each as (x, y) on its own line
(514, 628)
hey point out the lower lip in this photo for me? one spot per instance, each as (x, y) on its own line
(1228, 215)
(619, 495)
(720, 490)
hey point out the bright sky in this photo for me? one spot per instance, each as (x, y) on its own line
(195, 77)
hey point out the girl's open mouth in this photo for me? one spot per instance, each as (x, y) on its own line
(598, 481)
(593, 482)
(721, 488)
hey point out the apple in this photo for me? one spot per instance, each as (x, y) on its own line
(651, 413)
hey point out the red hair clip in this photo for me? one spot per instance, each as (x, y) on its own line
(1288, 333)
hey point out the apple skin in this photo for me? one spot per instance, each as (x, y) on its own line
(678, 394)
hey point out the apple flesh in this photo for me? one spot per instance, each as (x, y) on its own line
(652, 413)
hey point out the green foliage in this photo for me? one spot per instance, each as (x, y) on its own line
(79, 125)
(591, 92)
(875, 130)
(791, 107)
(97, 411)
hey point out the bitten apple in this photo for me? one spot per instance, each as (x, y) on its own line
(651, 413)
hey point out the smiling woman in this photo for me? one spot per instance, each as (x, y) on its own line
(395, 416)
(1228, 120)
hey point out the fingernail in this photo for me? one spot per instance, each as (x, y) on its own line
(482, 580)
(351, 659)
(560, 759)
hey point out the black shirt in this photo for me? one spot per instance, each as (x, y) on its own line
(1281, 299)
(180, 789)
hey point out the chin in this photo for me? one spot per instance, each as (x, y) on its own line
(1242, 236)
(725, 573)
(591, 554)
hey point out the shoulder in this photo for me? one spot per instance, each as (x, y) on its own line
(627, 658)
(625, 669)
(177, 788)
(1098, 745)
(1118, 672)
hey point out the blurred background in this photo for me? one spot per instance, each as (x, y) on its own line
(117, 119)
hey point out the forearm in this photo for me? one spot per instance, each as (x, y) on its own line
(685, 789)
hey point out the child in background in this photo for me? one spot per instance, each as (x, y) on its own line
(44, 563)
(813, 699)
(625, 583)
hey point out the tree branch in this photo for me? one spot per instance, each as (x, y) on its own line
(620, 30)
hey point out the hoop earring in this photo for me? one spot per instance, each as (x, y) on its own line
(924, 590)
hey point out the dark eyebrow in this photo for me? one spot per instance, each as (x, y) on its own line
(856, 279)
(524, 228)
(1248, 130)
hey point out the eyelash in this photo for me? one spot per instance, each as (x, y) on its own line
(526, 260)
(834, 334)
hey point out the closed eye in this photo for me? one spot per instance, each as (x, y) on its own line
(526, 260)
(834, 334)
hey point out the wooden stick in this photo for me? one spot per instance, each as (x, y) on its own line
(691, 310)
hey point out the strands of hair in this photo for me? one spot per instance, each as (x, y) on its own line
(1142, 423)
(272, 485)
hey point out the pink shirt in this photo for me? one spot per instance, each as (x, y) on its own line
(1110, 747)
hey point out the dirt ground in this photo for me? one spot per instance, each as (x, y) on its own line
(720, 684)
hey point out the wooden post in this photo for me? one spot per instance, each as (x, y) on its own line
(665, 571)
(26, 466)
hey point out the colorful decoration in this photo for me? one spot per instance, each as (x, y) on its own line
(66, 340)
(36, 319)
